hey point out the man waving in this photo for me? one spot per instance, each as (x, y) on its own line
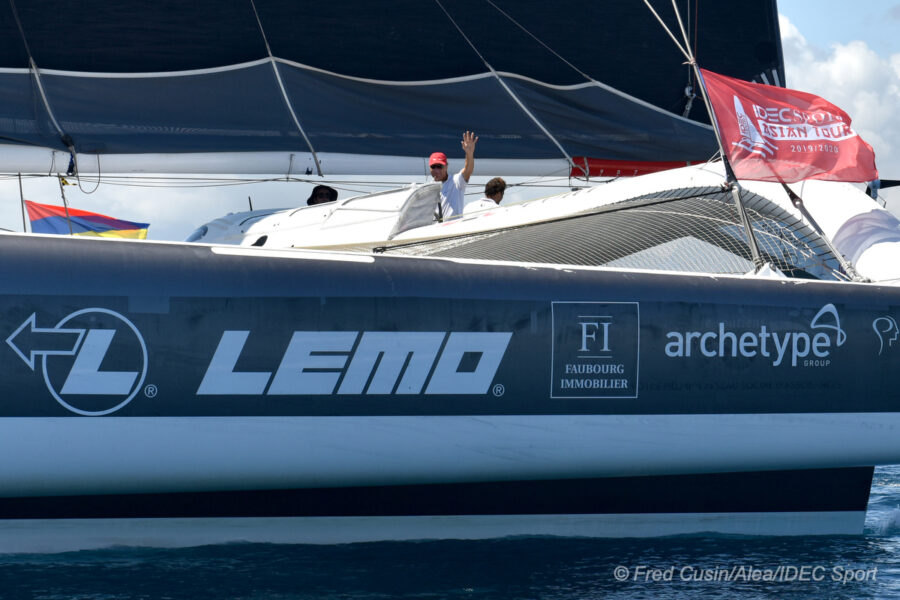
(454, 188)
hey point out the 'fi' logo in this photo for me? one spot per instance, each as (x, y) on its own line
(594, 333)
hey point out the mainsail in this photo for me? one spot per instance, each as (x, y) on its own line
(350, 80)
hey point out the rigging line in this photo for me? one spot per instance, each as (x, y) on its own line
(797, 201)
(562, 58)
(507, 88)
(78, 176)
(689, 92)
(65, 138)
(684, 34)
(688, 11)
(686, 54)
(696, 23)
(284, 94)
(21, 141)
(729, 173)
(15, 13)
(693, 62)
(539, 41)
(202, 182)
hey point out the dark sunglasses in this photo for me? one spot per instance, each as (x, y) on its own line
(437, 166)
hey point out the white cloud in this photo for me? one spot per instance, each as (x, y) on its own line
(855, 78)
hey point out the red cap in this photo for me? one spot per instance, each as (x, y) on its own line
(438, 158)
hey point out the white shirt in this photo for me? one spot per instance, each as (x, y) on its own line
(453, 196)
(483, 204)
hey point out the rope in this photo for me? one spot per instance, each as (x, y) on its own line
(64, 137)
(689, 88)
(284, 94)
(539, 41)
(797, 201)
(696, 23)
(78, 175)
(584, 169)
(732, 182)
(687, 40)
(508, 90)
(686, 54)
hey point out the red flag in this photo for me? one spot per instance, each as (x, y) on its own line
(776, 134)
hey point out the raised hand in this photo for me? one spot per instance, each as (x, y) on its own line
(468, 143)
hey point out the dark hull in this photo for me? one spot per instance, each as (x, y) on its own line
(165, 380)
(813, 490)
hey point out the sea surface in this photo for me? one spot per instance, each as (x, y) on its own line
(866, 566)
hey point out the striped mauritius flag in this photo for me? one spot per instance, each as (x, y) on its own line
(46, 218)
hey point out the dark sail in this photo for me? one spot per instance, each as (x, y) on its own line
(379, 79)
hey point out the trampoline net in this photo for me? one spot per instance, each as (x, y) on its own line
(693, 230)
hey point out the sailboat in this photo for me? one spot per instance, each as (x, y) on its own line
(608, 362)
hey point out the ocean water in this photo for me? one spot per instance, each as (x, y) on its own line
(866, 566)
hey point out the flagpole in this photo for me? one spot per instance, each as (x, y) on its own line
(729, 172)
(732, 181)
(22, 202)
(62, 192)
(730, 178)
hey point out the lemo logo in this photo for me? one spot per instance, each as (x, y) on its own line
(94, 360)
(368, 362)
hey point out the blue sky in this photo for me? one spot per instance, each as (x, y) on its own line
(824, 22)
(849, 53)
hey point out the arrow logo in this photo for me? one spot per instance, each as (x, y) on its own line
(28, 341)
(73, 359)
